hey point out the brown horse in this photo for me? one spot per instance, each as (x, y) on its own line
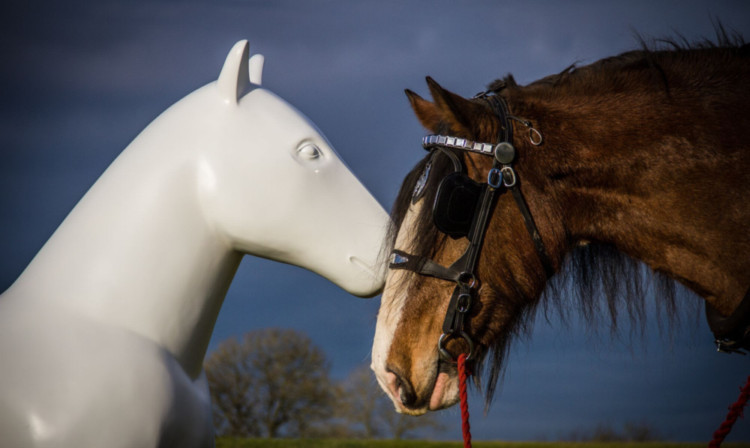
(643, 156)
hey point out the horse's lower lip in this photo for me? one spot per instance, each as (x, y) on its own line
(438, 392)
(445, 372)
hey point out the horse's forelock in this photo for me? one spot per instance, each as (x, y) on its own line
(425, 234)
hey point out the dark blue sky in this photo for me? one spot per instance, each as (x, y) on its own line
(79, 80)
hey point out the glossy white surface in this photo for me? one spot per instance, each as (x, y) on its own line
(103, 336)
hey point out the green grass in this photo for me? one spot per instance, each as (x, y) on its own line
(342, 443)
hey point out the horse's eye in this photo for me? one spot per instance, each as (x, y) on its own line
(309, 151)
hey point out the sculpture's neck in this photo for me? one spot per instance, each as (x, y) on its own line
(136, 252)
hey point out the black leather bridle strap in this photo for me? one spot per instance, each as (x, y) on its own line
(461, 298)
(423, 266)
(500, 108)
(478, 229)
(541, 250)
(731, 333)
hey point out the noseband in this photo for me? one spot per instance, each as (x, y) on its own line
(462, 208)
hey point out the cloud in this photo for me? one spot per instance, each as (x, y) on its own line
(80, 79)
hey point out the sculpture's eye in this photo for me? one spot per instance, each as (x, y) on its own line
(309, 151)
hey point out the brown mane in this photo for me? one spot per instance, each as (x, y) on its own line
(596, 271)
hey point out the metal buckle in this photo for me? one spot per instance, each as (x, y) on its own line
(509, 176)
(445, 354)
(495, 178)
(535, 137)
(467, 279)
(463, 303)
(729, 346)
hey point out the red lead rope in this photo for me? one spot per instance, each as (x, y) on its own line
(735, 411)
(462, 377)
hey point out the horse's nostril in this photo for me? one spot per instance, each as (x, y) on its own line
(404, 389)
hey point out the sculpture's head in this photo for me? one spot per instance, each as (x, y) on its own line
(273, 186)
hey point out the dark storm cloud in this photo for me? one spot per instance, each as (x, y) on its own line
(80, 79)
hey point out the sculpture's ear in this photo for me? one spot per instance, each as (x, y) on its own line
(256, 69)
(234, 78)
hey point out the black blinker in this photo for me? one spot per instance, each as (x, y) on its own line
(455, 205)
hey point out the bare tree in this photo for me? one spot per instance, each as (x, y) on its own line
(360, 404)
(370, 413)
(233, 386)
(640, 432)
(270, 383)
(605, 432)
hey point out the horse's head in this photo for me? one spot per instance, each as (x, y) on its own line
(273, 186)
(406, 355)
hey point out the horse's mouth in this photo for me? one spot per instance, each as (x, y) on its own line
(445, 388)
(438, 391)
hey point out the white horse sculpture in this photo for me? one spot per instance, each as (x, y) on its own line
(102, 338)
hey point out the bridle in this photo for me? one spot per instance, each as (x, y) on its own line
(462, 208)
(731, 333)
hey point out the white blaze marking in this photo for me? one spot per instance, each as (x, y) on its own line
(392, 306)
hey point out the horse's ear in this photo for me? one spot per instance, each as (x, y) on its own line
(462, 115)
(256, 69)
(234, 78)
(427, 113)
